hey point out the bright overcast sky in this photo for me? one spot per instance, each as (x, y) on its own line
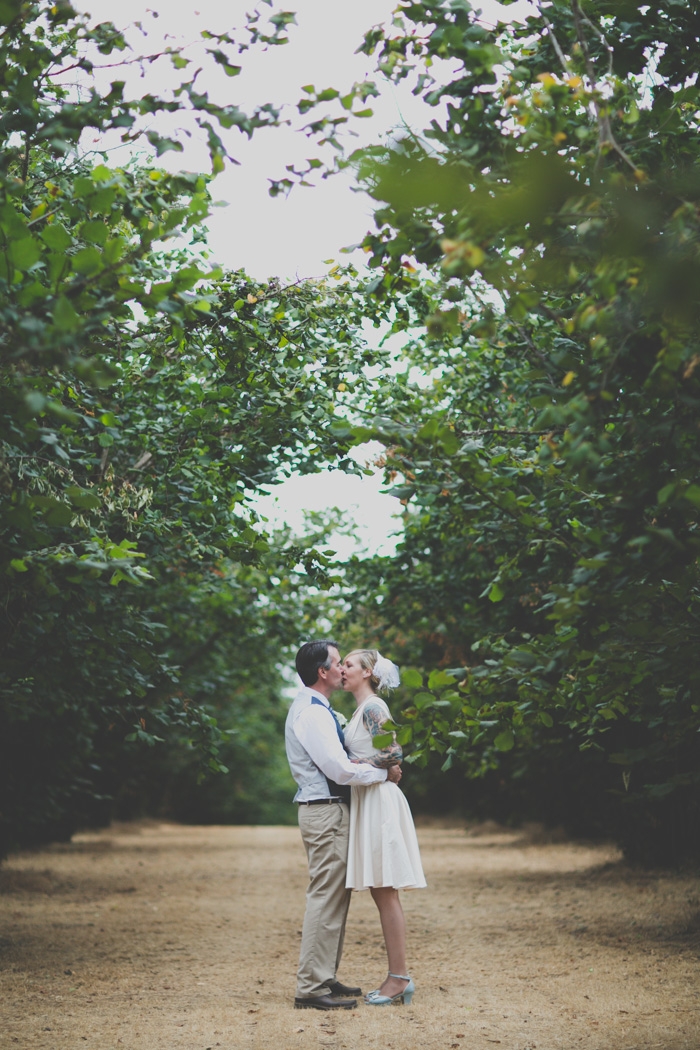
(294, 236)
(285, 237)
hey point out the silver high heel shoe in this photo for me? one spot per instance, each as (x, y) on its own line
(376, 998)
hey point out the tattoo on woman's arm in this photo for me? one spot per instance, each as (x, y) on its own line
(374, 718)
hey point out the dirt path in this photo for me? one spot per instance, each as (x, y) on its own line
(157, 937)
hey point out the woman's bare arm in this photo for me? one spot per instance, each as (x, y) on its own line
(374, 718)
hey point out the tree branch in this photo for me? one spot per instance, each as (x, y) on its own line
(605, 132)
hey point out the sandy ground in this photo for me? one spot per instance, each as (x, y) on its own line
(158, 936)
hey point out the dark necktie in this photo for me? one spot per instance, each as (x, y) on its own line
(331, 712)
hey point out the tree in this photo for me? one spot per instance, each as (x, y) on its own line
(543, 230)
(144, 397)
(551, 469)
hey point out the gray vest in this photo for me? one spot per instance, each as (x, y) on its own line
(311, 781)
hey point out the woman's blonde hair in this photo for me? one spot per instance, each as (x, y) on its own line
(367, 658)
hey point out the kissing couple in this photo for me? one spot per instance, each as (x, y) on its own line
(355, 822)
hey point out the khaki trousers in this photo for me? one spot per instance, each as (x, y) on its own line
(324, 832)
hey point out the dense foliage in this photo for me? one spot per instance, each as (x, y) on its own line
(536, 249)
(551, 469)
(144, 398)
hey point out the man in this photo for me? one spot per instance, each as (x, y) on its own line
(323, 773)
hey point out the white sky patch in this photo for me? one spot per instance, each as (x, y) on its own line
(287, 237)
(375, 515)
(283, 237)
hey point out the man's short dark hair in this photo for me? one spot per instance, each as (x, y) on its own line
(311, 657)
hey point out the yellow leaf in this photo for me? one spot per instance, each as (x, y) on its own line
(461, 252)
(568, 379)
(574, 82)
(546, 80)
(251, 298)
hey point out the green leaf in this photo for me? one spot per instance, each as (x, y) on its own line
(495, 593)
(54, 511)
(163, 144)
(222, 60)
(449, 440)
(83, 186)
(95, 232)
(505, 740)
(25, 253)
(9, 11)
(382, 740)
(56, 237)
(411, 678)
(35, 401)
(87, 261)
(64, 316)
(438, 679)
(113, 250)
(429, 429)
(401, 491)
(84, 498)
(692, 494)
(101, 173)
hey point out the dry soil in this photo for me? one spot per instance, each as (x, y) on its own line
(159, 937)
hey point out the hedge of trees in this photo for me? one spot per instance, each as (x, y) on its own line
(536, 249)
(145, 397)
(551, 469)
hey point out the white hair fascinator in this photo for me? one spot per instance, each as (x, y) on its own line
(387, 673)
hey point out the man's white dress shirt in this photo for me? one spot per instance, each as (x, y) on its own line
(314, 750)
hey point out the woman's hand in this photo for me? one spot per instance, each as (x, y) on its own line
(394, 773)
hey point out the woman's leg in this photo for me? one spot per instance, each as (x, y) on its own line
(394, 929)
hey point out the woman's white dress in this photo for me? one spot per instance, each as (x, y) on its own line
(383, 848)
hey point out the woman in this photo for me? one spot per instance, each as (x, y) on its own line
(383, 855)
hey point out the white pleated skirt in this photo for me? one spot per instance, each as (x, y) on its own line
(383, 848)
